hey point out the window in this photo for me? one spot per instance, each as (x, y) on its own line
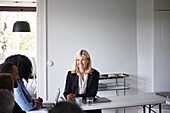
(17, 42)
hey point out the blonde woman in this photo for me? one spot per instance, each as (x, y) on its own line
(82, 80)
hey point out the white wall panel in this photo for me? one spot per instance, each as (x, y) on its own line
(162, 51)
(105, 28)
(145, 35)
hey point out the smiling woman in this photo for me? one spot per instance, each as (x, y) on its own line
(82, 80)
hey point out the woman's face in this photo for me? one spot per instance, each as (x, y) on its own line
(81, 63)
(15, 72)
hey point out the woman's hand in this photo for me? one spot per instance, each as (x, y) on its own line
(37, 102)
(40, 100)
(71, 96)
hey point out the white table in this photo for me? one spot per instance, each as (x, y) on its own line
(123, 102)
(43, 110)
(128, 101)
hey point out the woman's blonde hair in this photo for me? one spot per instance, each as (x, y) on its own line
(86, 55)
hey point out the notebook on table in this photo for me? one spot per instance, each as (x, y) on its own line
(164, 94)
(101, 100)
(98, 100)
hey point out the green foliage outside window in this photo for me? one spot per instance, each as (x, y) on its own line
(21, 41)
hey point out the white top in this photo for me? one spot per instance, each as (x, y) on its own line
(82, 84)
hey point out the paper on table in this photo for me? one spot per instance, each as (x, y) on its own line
(167, 102)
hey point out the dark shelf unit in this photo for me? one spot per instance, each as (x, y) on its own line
(114, 85)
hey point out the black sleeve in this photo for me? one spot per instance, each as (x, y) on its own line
(67, 85)
(94, 86)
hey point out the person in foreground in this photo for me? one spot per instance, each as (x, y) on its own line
(6, 101)
(82, 80)
(66, 107)
(21, 95)
(6, 93)
(5, 82)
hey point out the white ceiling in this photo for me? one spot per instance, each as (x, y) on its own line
(18, 3)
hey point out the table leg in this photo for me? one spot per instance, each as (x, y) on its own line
(144, 108)
(124, 86)
(116, 111)
(149, 108)
(160, 109)
(116, 89)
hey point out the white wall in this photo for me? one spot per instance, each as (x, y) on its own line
(41, 50)
(153, 45)
(117, 33)
(105, 28)
(161, 4)
(145, 23)
(161, 51)
(162, 45)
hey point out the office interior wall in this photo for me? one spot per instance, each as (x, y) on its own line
(161, 51)
(105, 28)
(153, 45)
(41, 50)
(146, 78)
(161, 45)
(145, 30)
(161, 4)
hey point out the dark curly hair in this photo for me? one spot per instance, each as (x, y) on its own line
(23, 64)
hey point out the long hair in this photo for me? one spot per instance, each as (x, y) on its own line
(23, 64)
(86, 55)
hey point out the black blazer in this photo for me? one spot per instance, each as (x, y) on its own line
(72, 82)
